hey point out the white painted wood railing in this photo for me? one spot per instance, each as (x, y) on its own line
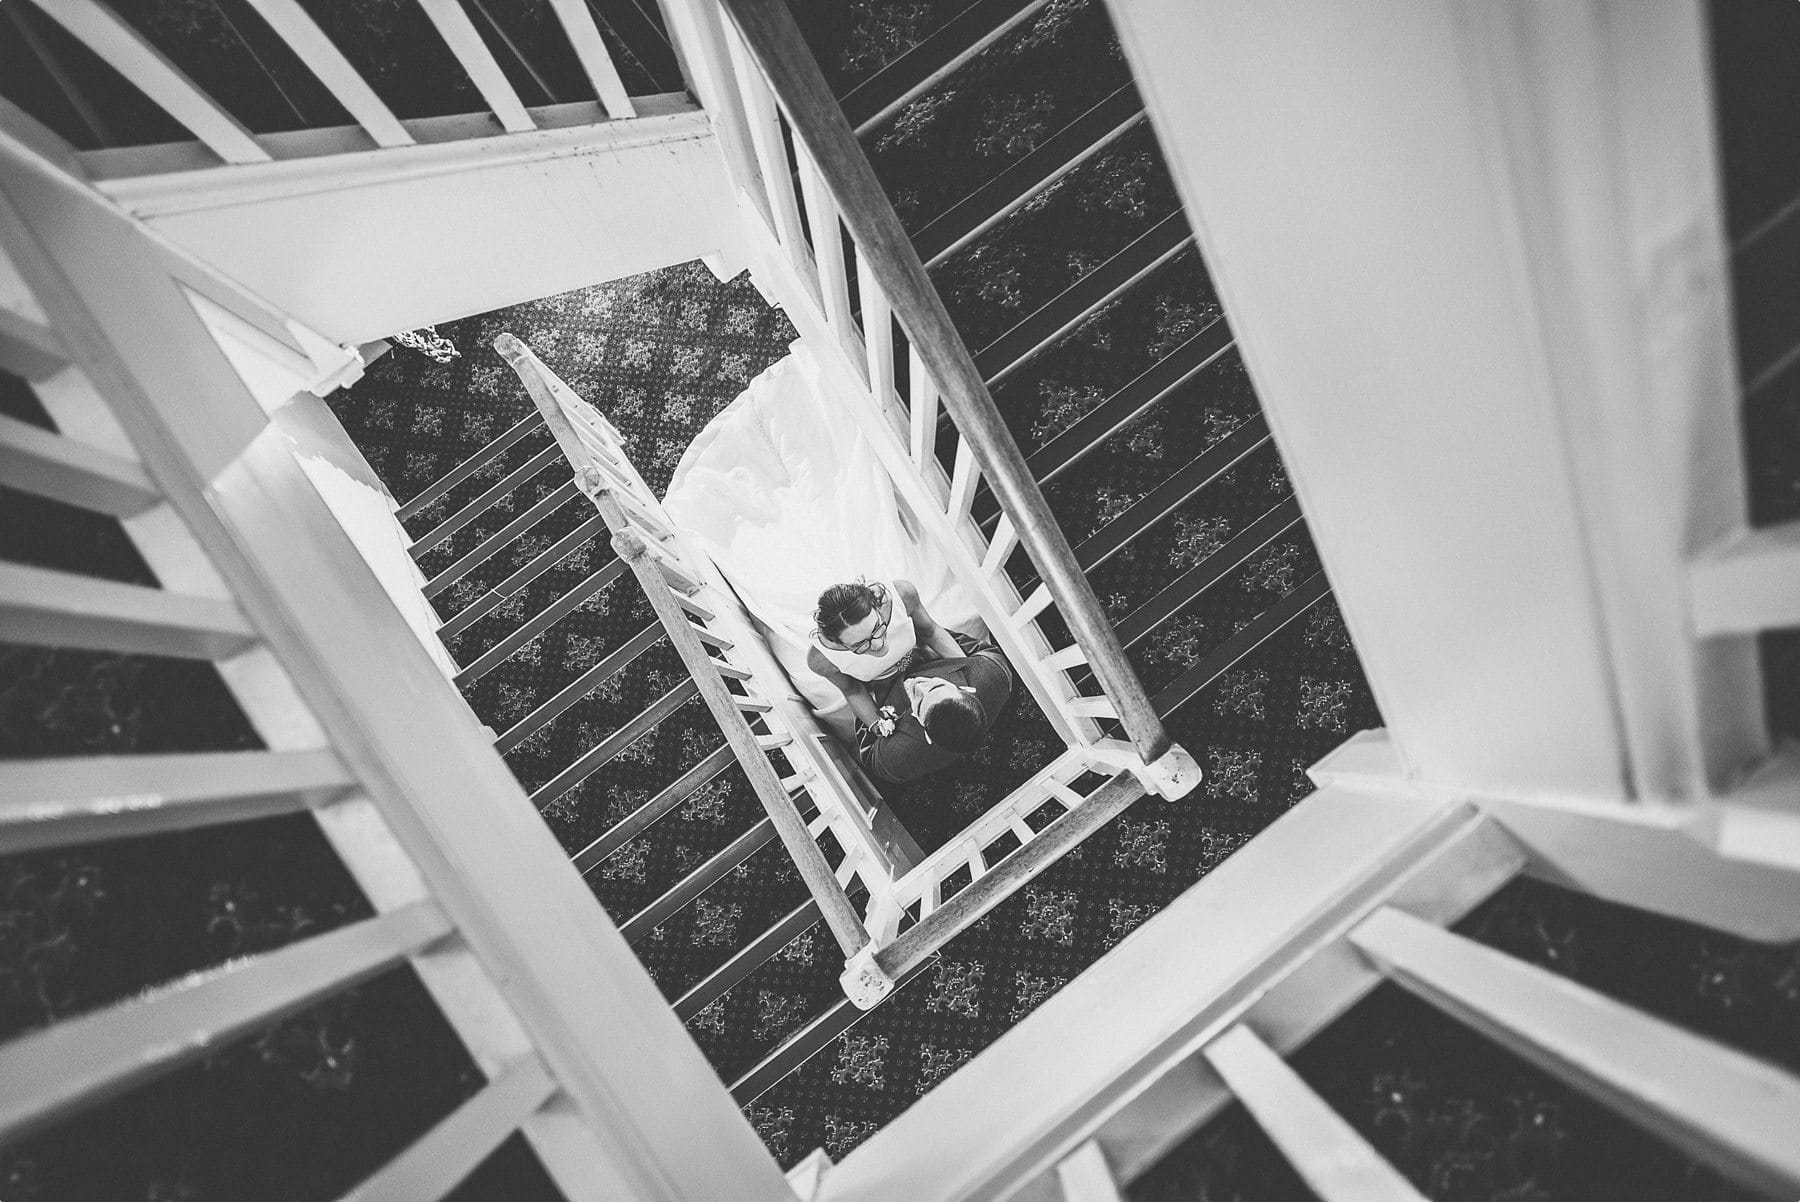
(830, 279)
(154, 425)
(227, 140)
(700, 602)
(905, 918)
(804, 257)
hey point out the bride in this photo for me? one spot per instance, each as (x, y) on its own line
(868, 634)
(789, 499)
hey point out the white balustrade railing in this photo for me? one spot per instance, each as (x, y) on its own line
(843, 305)
(1002, 848)
(735, 650)
(154, 425)
(124, 48)
(803, 256)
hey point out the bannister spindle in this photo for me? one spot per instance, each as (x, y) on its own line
(131, 54)
(584, 36)
(59, 609)
(771, 154)
(60, 802)
(441, 1158)
(1033, 605)
(1084, 1176)
(1000, 547)
(752, 750)
(465, 43)
(878, 332)
(769, 31)
(924, 406)
(50, 465)
(828, 248)
(964, 476)
(990, 885)
(28, 347)
(1326, 1151)
(346, 85)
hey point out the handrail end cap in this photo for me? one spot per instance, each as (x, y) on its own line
(865, 982)
(1173, 774)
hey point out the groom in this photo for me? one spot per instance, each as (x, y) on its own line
(943, 710)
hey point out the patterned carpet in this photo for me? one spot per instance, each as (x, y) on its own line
(302, 1110)
(683, 336)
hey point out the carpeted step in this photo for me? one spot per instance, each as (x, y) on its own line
(540, 622)
(747, 959)
(702, 877)
(487, 499)
(1004, 193)
(701, 939)
(815, 1015)
(1068, 230)
(633, 822)
(1082, 299)
(1765, 280)
(1025, 91)
(535, 565)
(929, 62)
(1121, 380)
(1128, 524)
(460, 475)
(441, 488)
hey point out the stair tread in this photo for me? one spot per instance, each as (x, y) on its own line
(1168, 496)
(747, 959)
(702, 878)
(513, 582)
(1119, 410)
(485, 501)
(539, 622)
(1070, 146)
(665, 800)
(1080, 300)
(469, 468)
(704, 937)
(1766, 293)
(912, 73)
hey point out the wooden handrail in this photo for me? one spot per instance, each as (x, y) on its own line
(919, 942)
(630, 509)
(814, 869)
(437, 821)
(818, 122)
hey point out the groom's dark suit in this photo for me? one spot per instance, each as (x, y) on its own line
(905, 755)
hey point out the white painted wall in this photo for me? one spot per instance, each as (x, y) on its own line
(1472, 255)
(361, 245)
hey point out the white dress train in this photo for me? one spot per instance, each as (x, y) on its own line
(787, 496)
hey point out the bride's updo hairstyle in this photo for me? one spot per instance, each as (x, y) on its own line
(844, 605)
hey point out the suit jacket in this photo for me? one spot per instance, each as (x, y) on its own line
(905, 755)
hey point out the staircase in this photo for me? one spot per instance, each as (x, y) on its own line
(1083, 442)
(1121, 386)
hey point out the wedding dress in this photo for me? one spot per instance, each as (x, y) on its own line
(788, 498)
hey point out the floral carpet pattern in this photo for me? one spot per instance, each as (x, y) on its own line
(661, 354)
(342, 1087)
